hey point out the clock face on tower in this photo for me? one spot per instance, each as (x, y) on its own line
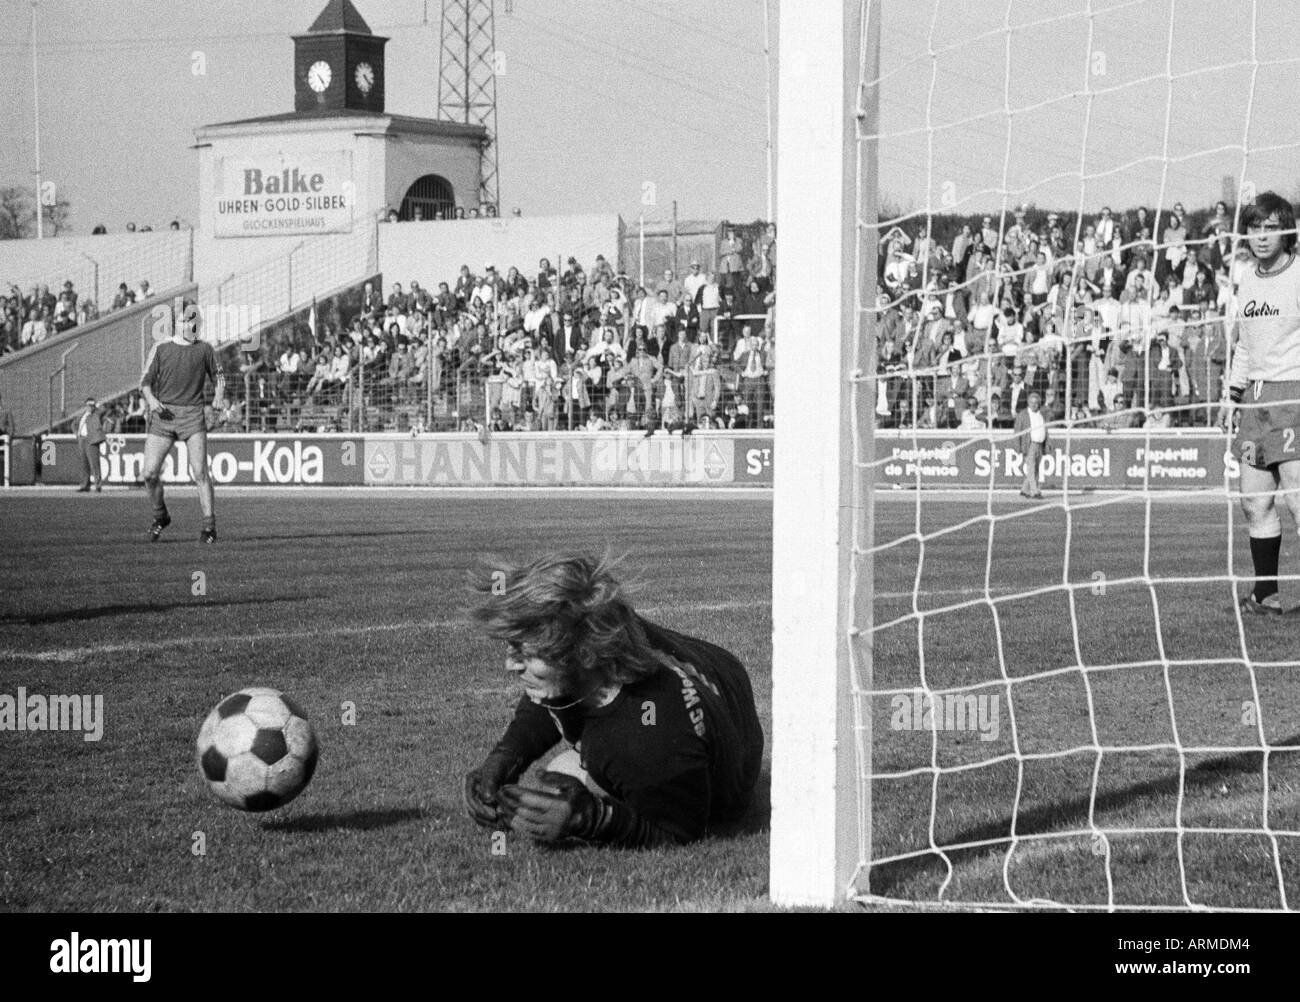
(365, 77)
(338, 65)
(319, 76)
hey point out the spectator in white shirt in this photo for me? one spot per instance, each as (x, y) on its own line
(290, 362)
(981, 321)
(1010, 332)
(1032, 426)
(710, 303)
(1108, 309)
(608, 343)
(662, 309)
(35, 330)
(1105, 229)
(537, 312)
(544, 365)
(692, 283)
(642, 312)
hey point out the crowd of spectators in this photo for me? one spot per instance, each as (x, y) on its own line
(29, 318)
(561, 348)
(1108, 326)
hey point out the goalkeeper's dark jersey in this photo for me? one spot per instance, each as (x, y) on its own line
(682, 748)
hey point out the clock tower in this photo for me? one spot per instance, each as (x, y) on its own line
(339, 64)
(290, 186)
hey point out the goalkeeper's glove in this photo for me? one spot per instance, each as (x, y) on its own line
(164, 412)
(564, 808)
(211, 417)
(483, 783)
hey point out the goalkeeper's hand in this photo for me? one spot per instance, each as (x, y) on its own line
(482, 785)
(561, 808)
(1229, 415)
(211, 417)
(164, 412)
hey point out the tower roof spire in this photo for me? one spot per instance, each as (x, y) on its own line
(339, 16)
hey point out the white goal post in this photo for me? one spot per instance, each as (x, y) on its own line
(821, 810)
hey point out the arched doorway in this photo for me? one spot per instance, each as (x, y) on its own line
(430, 194)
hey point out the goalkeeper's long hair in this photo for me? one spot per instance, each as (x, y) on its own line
(568, 609)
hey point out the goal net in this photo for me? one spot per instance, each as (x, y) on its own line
(984, 697)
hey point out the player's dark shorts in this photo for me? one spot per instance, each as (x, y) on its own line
(1269, 432)
(185, 421)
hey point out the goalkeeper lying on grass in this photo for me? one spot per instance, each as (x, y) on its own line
(663, 728)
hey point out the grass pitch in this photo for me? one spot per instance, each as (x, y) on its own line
(346, 599)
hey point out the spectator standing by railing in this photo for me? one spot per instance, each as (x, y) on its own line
(693, 282)
(1031, 426)
(90, 439)
(752, 380)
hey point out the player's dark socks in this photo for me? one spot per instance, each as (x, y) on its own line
(1265, 553)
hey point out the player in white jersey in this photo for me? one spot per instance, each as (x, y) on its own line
(1263, 391)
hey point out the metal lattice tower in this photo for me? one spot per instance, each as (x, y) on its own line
(467, 83)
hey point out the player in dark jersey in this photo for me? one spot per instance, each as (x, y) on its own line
(174, 386)
(666, 735)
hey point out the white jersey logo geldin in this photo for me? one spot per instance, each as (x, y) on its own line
(1266, 311)
(1252, 309)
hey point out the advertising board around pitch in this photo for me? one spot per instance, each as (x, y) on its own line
(599, 459)
(1086, 460)
(274, 461)
(1092, 460)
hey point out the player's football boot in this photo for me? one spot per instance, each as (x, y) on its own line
(1271, 606)
(159, 524)
(207, 535)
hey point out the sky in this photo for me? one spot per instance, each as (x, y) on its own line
(599, 97)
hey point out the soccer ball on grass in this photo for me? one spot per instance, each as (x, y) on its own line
(256, 750)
